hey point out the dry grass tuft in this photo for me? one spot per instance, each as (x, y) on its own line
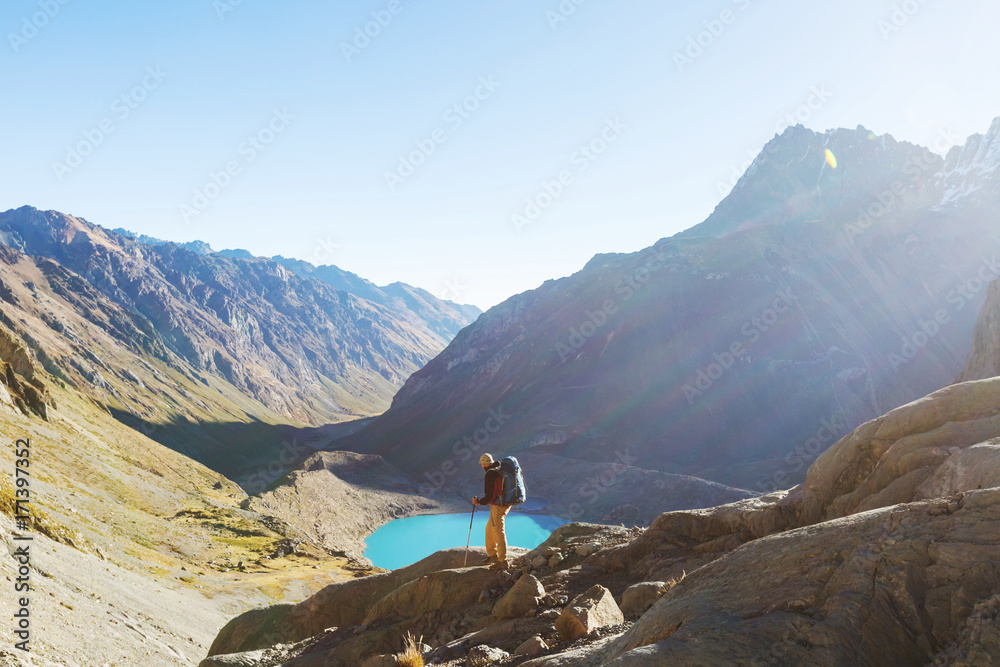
(676, 580)
(411, 655)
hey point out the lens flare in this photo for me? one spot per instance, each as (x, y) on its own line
(831, 159)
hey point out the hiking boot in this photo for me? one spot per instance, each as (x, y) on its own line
(500, 566)
(491, 560)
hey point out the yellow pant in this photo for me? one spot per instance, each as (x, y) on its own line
(496, 538)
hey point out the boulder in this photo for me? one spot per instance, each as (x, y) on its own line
(534, 646)
(539, 562)
(587, 549)
(523, 597)
(485, 655)
(637, 599)
(591, 611)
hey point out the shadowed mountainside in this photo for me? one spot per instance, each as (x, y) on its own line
(840, 294)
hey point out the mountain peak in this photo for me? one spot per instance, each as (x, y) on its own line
(971, 169)
(794, 179)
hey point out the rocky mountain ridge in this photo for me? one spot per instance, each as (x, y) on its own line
(441, 316)
(445, 318)
(199, 350)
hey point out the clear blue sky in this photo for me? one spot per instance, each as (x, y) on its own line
(322, 177)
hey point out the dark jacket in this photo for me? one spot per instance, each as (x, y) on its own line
(492, 486)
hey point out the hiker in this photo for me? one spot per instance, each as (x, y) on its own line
(496, 537)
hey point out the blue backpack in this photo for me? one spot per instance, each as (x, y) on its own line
(514, 492)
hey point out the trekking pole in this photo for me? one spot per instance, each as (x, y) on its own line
(469, 541)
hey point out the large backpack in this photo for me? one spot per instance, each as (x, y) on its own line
(514, 492)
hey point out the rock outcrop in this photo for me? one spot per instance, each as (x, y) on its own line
(20, 388)
(891, 586)
(13, 351)
(984, 360)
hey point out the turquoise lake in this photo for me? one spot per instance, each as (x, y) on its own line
(405, 541)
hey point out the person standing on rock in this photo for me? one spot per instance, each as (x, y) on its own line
(496, 536)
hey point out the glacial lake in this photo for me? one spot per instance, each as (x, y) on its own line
(405, 541)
